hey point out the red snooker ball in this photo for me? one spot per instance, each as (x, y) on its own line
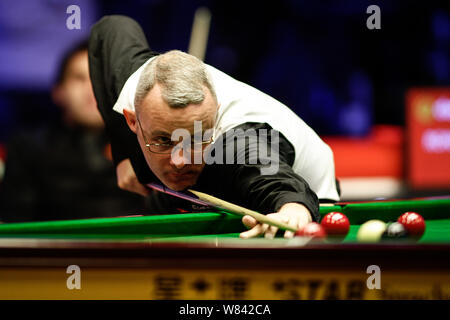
(413, 222)
(335, 224)
(312, 229)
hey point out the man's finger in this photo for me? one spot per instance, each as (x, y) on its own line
(255, 231)
(294, 223)
(289, 234)
(271, 231)
(249, 221)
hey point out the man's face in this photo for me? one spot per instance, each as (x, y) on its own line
(158, 121)
(75, 95)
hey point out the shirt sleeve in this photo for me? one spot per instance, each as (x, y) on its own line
(117, 48)
(246, 184)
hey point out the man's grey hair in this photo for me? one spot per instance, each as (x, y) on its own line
(182, 78)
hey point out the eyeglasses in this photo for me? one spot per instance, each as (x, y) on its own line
(166, 148)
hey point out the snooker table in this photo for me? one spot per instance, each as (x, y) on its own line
(199, 256)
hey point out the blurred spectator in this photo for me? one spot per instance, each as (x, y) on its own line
(62, 171)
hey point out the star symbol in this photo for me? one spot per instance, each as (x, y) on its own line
(200, 285)
(278, 285)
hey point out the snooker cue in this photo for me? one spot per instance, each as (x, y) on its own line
(207, 200)
(233, 208)
(199, 33)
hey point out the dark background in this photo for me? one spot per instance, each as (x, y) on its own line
(317, 57)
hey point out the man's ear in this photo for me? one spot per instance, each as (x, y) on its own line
(130, 116)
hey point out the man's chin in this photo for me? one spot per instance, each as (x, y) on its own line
(180, 182)
(179, 186)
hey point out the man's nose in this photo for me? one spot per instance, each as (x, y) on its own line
(179, 158)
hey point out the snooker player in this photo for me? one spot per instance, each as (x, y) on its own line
(147, 99)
